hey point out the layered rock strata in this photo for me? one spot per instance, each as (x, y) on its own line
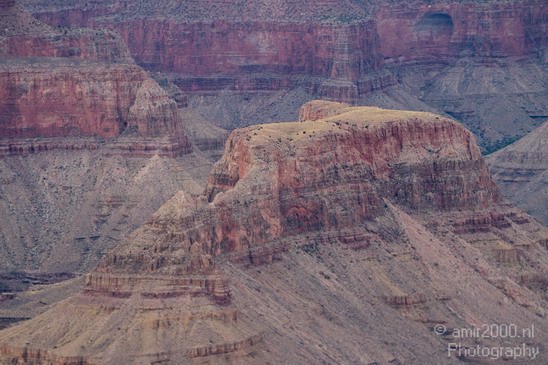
(521, 171)
(473, 60)
(58, 83)
(331, 233)
(261, 37)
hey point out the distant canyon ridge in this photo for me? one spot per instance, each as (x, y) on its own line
(244, 62)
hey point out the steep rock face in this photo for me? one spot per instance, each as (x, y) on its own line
(247, 48)
(358, 52)
(251, 56)
(48, 99)
(414, 159)
(79, 44)
(78, 83)
(394, 155)
(520, 170)
(408, 31)
(441, 31)
(332, 232)
(22, 35)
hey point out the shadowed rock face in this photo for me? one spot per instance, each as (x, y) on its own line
(521, 171)
(343, 228)
(5, 4)
(57, 82)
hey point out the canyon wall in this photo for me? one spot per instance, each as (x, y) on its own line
(45, 99)
(352, 220)
(77, 83)
(441, 32)
(449, 57)
(81, 128)
(338, 47)
(23, 36)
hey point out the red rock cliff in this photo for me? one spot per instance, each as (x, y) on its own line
(279, 180)
(46, 99)
(262, 47)
(23, 35)
(351, 205)
(442, 31)
(56, 82)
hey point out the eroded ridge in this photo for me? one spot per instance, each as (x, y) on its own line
(353, 221)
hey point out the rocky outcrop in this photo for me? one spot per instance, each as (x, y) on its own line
(521, 171)
(24, 36)
(153, 114)
(78, 83)
(452, 57)
(52, 99)
(351, 216)
(418, 160)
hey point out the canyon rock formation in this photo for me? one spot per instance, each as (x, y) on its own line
(62, 210)
(482, 62)
(81, 131)
(343, 237)
(521, 171)
(321, 240)
(58, 82)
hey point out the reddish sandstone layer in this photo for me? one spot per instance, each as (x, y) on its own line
(22, 35)
(58, 83)
(369, 221)
(48, 99)
(258, 48)
(51, 98)
(439, 32)
(278, 180)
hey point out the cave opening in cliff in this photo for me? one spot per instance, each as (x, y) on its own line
(436, 24)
